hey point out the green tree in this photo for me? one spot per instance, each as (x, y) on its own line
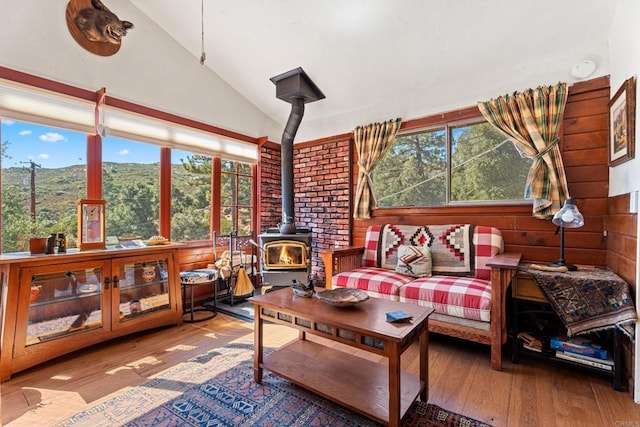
(413, 171)
(16, 221)
(190, 215)
(190, 203)
(132, 209)
(486, 166)
(197, 164)
(236, 191)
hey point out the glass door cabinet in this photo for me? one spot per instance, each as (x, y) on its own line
(140, 288)
(53, 305)
(63, 302)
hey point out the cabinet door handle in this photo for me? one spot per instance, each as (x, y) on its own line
(115, 281)
(106, 283)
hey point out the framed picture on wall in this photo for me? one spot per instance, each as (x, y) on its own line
(622, 113)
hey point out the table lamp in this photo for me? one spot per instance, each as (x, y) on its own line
(567, 217)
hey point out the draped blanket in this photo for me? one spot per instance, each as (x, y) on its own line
(451, 246)
(587, 300)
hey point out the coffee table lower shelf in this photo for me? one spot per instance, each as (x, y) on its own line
(356, 383)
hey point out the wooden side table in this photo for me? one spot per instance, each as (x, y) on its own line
(528, 298)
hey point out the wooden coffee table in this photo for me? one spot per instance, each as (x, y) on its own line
(373, 389)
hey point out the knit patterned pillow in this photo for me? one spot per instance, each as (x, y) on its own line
(414, 261)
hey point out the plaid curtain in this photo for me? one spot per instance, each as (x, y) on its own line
(532, 121)
(372, 142)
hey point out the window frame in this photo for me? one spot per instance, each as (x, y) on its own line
(35, 200)
(184, 134)
(235, 205)
(447, 124)
(158, 179)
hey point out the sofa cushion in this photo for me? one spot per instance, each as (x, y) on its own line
(377, 282)
(488, 243)
(464, 297)
(370, 256)
(414, 261)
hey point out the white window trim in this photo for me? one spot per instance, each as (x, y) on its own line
(137, 127)
(30, 104)
(26, 103)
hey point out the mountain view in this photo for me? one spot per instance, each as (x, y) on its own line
(131, 193)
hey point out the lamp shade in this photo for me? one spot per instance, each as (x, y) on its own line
(569, 216)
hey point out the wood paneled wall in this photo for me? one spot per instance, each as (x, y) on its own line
(621, 226)
(584, 150)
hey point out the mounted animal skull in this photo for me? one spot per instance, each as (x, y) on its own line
(99, 24)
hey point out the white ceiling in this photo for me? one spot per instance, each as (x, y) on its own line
(380, 59)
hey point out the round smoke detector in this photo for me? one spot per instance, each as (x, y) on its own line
(583, 69)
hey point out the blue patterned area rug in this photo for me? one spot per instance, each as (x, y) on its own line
(217, 389)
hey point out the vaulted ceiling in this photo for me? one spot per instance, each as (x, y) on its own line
(380, 59)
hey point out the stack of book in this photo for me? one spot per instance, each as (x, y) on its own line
(581, 350)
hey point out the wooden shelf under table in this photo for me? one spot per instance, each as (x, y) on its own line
(356, 383)
(381, 391)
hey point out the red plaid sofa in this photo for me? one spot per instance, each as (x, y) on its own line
(466, 265)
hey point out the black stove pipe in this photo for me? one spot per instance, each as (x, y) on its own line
(288, 225)
(296, 88)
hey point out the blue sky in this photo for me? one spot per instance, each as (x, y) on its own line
(56, 148)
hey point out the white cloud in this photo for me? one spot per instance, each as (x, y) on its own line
(52, 137)
(43, 156)
(123, 152)
(24, 132)
(8, 122)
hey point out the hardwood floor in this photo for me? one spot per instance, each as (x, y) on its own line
(531, 393)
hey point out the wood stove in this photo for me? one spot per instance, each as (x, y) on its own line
(285, 257)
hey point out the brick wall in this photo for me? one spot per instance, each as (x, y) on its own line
(269, 190)
(322, 180)
(322, 202)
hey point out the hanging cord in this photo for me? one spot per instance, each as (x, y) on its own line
(203, 56)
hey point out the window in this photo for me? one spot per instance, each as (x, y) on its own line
(235, 207)
(42, 183)
(469, 162)
(43, 176)
(190, 196)
(130, 188)
(413, 171)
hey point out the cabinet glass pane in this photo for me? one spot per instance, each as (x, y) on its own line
(63, 303)
(144, 288)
